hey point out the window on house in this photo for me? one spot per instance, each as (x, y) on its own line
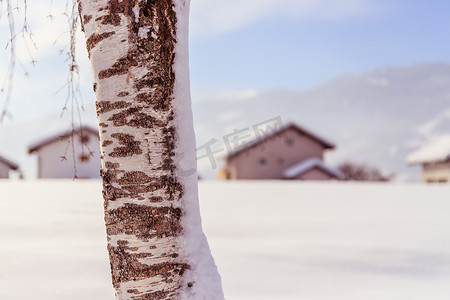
(442, 180)
(262, 161)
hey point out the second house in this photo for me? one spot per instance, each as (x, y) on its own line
(69, 154)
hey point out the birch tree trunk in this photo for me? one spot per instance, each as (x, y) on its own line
(138, 51)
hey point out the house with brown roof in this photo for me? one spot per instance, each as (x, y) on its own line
(291, 152)
(67, 154)
(6, 166)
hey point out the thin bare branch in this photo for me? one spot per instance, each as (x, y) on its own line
(8, 84)
(27, 36)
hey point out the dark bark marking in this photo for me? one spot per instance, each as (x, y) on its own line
(115, 9)
(123, 94)
(107, 106)
(169, 143)
(135, 177)
(172, 186)
(135, 118)
(120, 67)
(111, 19)
(156, 199)
(109, 176)
(111, 193)
(130, 146)
(111, 165)
(94, 39)
(107, 143)
(148, 222)
(87, 18)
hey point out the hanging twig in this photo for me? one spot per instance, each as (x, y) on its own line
(27, 36)
(8, 84)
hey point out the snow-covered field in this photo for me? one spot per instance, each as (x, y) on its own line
(271, 240)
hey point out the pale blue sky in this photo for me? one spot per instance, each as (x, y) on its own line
(255, 45)
(282, 51)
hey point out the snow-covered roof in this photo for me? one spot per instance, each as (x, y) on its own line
(436, 150)
(325, 143)
(57, 137)
(9, 163)
(307, 164)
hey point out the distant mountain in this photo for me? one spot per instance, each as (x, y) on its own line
(376, 118)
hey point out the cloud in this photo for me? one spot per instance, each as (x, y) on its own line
(213, 17)
(228, 116)
(225, 96)
(208, 17)
(44, 31)
(51, 35)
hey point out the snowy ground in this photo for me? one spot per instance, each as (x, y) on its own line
(277, 240)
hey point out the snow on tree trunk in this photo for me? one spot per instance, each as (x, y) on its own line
(138, 51)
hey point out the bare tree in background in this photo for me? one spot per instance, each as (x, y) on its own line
(361, 172)
(138, 51)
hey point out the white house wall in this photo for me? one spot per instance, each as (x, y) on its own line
(51, 165)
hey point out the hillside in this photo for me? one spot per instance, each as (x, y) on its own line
(377, 118)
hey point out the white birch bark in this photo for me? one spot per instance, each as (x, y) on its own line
(138, 51)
